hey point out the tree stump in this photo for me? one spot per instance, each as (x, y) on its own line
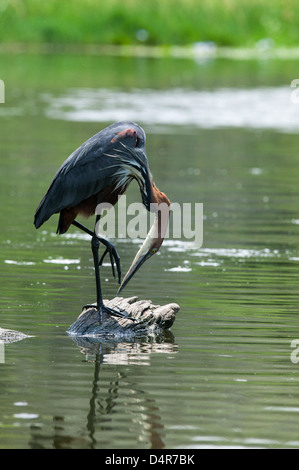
(149, 319)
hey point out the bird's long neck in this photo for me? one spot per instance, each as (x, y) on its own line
(157, 197)
(160, 206)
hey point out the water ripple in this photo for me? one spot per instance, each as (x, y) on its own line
(263, 108)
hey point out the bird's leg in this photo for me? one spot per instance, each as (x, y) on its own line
(110, 248)
(81, 227)
(95, 244)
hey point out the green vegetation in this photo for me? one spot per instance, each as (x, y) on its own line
(154, 22)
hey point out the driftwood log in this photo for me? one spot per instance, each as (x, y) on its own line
(149, 319)
(11, 336)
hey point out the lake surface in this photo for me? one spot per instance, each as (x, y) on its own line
(222, 133)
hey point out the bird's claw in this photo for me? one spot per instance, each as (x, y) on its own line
(120, 313)
(87, 306)
(114, 258)
(110, 311)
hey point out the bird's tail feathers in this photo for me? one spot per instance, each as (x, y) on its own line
(39, 218)
(43, 212)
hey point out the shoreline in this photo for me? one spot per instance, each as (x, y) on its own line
(198, 51)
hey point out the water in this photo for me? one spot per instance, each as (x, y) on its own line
(222, 133)
(265, 107)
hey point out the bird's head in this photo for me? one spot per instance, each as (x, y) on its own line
(155, 236)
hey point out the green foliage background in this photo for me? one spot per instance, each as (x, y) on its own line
(154, 22)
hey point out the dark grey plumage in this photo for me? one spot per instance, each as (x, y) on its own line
(95, 165)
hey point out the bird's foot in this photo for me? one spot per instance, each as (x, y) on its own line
(114, 257)
(120, 313)
(87, 306)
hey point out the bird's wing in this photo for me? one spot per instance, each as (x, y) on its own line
(89, 169)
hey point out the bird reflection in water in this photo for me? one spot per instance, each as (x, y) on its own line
(123, 400)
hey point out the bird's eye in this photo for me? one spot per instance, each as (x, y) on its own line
(154, 250)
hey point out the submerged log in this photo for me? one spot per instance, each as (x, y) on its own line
(11, 336)
(149, 319)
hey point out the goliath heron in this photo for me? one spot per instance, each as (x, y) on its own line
(99, 171)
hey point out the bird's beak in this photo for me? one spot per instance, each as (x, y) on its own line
(137, 263)
(150, 247)
(152, 242)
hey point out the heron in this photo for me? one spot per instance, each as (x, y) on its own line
(98, 172)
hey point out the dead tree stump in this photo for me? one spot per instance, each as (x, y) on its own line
(149, 319)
